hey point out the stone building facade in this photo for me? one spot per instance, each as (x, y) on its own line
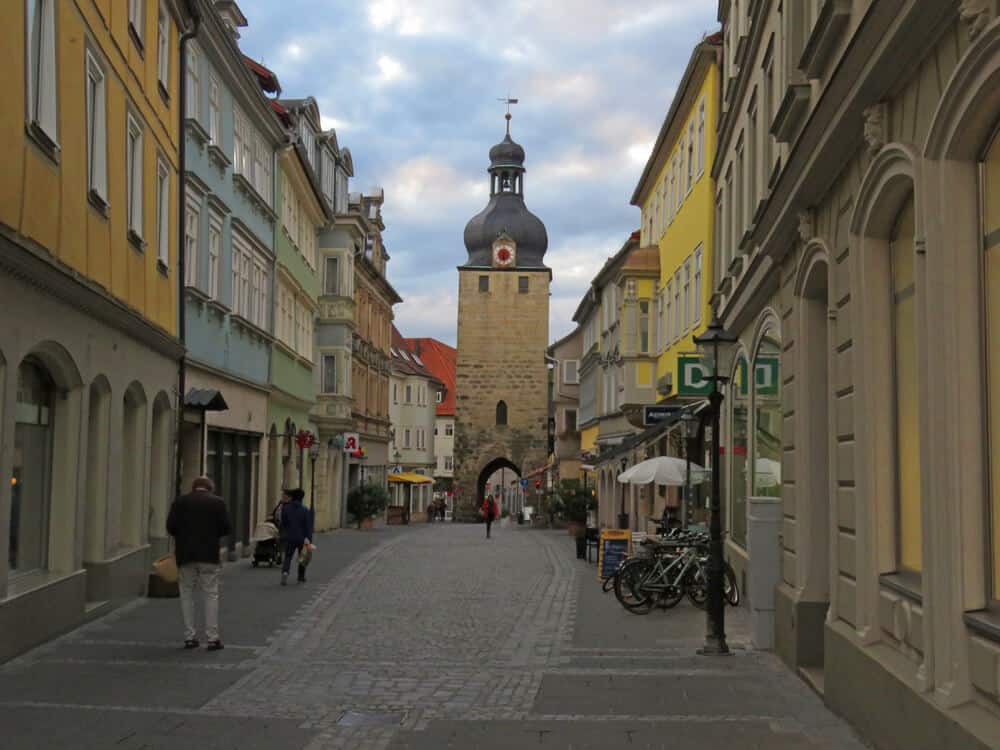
(503, 324)
(857, 208)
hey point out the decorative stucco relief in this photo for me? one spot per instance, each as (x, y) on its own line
(976, 14)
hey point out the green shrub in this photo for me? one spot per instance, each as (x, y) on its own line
(367, 501)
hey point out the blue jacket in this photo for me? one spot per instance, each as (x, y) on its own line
(296, 522)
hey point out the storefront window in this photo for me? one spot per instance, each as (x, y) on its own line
(767, 417)
(32, 470)
(739, 394)
(904, 346)
(991, 275)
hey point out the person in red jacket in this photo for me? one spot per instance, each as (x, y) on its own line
(489, 512)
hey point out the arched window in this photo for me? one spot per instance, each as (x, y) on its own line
(766, 469)
(739, 393)
(31, 478)
(991, 278)
(904, 379)
(501, 413)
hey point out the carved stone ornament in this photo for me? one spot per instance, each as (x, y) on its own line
(807, 227)
(876, 125)
(976, 15)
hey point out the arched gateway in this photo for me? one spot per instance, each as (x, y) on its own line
(501, 384)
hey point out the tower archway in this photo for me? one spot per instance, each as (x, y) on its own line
(496, 474)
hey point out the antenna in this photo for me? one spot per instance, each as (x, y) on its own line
(508, 101)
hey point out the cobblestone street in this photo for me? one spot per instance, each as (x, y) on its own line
(427, 637)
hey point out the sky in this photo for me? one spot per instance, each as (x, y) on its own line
(411, 87)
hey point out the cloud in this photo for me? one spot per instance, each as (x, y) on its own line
(390, 70)
(427, 190)
(638, 153)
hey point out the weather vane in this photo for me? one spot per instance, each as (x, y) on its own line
(508, 101)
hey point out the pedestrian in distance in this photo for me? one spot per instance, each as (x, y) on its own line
(197, 521)
(489, 512)
(297, 530)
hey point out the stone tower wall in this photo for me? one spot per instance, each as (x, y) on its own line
(502, 336)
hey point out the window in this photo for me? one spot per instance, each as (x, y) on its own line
(439, 397)
(341, 196)
(214, 254)
(395, 393)
(97, 135)
(331, 280)
(667, 321)
(753, 178)
(738, 200)
(729, 233)
(406, 438)
(571, 371)
(32, 470)
(193, 83)
(679, 170)
(191, 217)
(309, 143)
(991, 277)
(696, 296)
(135, 17)
(686, 296)
(448, 463)
(569, 420)
(738, 453)
(501, 413)
(133, 172)
(644, 326)
(677, 305)
(767, 94)
(162, 213)
(163, 49)
(484, 283)
(522, 284)
(690, 155)
(329, 373)
(328, 177)
(449, 430)
(767, 448)
(409, 394)
(701, 137)
(214, 110)
(904, 345)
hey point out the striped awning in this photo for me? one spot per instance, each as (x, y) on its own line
(409, 477)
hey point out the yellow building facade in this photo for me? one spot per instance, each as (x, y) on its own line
(88, 274)
(677, 196)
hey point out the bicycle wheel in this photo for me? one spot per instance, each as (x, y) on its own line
(609, 583)
(732, 589)
(697, 589)
(628, 587)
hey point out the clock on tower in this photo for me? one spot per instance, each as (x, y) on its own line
(504, 252)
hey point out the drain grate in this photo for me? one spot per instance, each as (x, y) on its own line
(369, 719)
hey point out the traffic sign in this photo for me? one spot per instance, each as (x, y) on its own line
(524, 482)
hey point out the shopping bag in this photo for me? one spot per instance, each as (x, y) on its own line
(306, 554)
(166, 568)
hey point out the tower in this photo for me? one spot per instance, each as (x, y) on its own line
(501, 384)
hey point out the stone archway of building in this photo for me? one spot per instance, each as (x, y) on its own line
(489, 470)
(96, 487)
(160, 481)
(133, 466)
(815, 540)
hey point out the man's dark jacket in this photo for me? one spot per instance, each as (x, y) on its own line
(296, 522)
(197, 521)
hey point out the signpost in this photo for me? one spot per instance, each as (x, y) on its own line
(657, 413)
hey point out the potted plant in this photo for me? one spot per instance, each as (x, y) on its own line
(574, 502)
(366, 501)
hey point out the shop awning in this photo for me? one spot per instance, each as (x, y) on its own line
(409, 477)
(205, 399)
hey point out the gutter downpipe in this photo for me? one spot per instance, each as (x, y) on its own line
(181, 312)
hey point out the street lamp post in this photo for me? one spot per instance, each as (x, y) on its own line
(623, 516)
(313, 455)
(688, 428)
(709, 342)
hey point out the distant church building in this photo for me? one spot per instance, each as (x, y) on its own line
(501, 408)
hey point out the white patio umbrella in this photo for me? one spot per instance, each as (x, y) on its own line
(665, 470)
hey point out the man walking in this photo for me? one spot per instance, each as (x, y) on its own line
(489, 511)
(296, 529)
(196, 522)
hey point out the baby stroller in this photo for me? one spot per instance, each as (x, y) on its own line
(266, 544)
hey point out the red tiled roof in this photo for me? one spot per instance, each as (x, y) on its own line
(441, 360)
(402, 363)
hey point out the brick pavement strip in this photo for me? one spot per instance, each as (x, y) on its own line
(437, 638)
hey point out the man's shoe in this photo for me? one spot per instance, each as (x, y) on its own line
(284, 579)
(214, 646)
(193, 643)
